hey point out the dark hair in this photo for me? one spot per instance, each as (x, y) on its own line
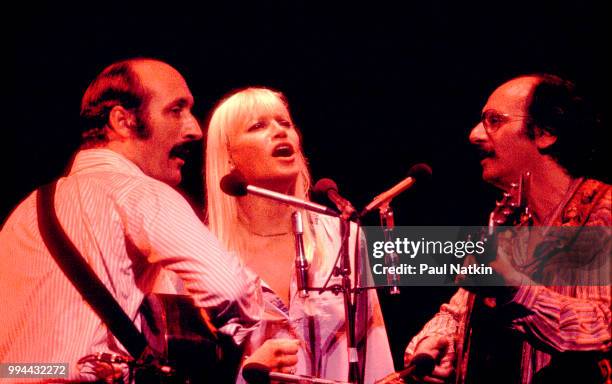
(117, 84)
(556, 107)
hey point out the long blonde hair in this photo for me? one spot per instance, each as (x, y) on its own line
(230, 114)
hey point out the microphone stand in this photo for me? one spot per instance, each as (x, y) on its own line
(387, 222)
(344, 270)
(349, 305)
(301, 264)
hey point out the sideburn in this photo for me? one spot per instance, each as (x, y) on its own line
(141, 128)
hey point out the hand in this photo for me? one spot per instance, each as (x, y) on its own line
(280, 355)
(437, 347)
(505, 276)
(504, 269)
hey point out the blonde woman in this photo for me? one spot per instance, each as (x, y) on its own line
(252, 131)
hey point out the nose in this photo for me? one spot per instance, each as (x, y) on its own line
(192, 129)
(278, 129)
(478, 134)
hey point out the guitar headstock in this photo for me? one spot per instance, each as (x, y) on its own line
(512, 209)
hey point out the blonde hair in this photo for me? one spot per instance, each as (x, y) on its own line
(230, 114)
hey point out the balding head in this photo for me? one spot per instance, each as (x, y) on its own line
(515, 95)
(119, 84)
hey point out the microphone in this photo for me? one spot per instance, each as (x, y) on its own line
(417, 171)
(328, 188)
(235, 184)
(301, 264)
(255, 373)
(421, 364)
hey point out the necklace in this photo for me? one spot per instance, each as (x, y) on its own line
(268, 234)
(248, 229)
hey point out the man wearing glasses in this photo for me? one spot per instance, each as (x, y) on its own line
(560, 330)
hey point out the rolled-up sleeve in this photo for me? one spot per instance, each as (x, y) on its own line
(447, 322)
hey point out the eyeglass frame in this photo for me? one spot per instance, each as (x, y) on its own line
(493, 127)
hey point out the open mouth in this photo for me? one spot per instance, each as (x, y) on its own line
(283, 150)
(182, 151)
(485, 154)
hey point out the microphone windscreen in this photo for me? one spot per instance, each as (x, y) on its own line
(420, 170)
(423, 364)
(320, 189)
(234, 183)
(255, 373)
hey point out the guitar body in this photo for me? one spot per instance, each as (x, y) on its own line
(177, 332)
(495, 353)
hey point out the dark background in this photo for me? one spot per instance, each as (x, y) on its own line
(375, 88)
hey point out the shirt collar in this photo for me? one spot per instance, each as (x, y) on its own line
(101, 159)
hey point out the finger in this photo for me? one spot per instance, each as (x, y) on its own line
(426, 379)
(287, 360)
(396, 380)
(443, 372)
(287, 341)
(287, 347)
(407, 358)
(290, 369)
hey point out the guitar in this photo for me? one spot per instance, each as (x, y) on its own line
(182, 337)
(498, 350)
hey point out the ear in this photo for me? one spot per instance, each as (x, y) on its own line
(122, 122)
(543, 138)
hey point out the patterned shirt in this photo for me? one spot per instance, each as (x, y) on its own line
(557, 316)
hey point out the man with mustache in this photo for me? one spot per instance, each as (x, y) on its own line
(557, 316)
(118, 207)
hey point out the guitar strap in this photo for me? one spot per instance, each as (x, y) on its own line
(85, 280)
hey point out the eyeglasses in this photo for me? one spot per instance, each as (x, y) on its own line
(492, 120)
